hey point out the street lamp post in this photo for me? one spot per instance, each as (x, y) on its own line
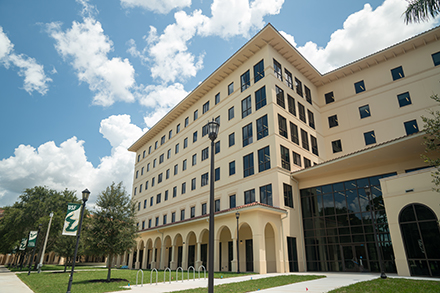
(213, 127)
(35, 247)
(237, 215)
(373, 220)
(45, 243)
(85, 197)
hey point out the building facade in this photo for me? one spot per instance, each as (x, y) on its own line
(307, 166)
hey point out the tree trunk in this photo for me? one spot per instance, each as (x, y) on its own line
(109, 267)
(65, 265)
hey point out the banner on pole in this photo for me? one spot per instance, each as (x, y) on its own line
(72, 219)
(32, 238)
(23, 244)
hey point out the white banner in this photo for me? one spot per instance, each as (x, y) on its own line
(72, 219)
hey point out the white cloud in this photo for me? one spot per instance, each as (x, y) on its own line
(158, 6)
(67, 166)
(363, 33)
(87, 46)
(34, 77)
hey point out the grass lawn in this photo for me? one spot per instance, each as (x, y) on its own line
(47, 282)
(254, 285)
(391, 285)
(57, 268)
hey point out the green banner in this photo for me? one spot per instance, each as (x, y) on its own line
(72, 219)
(23, 244)
(32, 238)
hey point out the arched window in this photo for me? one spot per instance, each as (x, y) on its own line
(421, 236)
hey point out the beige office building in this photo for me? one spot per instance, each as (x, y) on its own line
(305, 161)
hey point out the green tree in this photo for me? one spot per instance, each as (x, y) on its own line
(65, 247)
(421, 10)
(432, 142)
(111, 229)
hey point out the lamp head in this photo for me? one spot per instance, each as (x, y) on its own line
(237, 215)
(213, 127)
(85, 195)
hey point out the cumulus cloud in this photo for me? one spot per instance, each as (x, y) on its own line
(86, 45)
(66, 166)
(363, 33)
(34, 77)
(158, 6)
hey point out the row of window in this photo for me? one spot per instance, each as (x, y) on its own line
(289, 81)
(285, 159)
(294, 135)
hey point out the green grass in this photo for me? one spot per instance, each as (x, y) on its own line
(254, 285)
(57, 268)
(47, 282)
(391, 285)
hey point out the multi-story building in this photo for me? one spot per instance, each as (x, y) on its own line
(305, 160)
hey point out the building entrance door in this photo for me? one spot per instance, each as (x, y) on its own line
(354, 258)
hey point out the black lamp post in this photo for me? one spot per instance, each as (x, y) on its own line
(373, 220)
(237, 215)
(213, 127)
(85, 197)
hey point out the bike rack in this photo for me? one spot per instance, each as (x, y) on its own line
(151, 276)
(177, 274)
(204, 272)
(165, 273)
(137, 274)
(194, 272)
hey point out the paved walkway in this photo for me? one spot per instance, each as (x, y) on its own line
(9, 282)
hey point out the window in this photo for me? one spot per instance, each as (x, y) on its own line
(217, 147)
(182, 215)
(359, 86)
(217, 98)
(329, 98)
(314, 143)
(249, 196)
(137, 174)
(169, 154)
(142, 171)
(162, 140)
(277, 70)
(259, 71)
(193, 184)
(266, 194)
(139, 206)
(245, 80)
(282, 126)
(217, 119)
(307, 162)
(217, 205)
(369, 137)
(183, 188)
(186, 121)
(205, 179)
(302, 112)
(166, 195)
(280, 96)
(161, 158)
(170, 134)
(174, 191)
(308, 95)
(411, 127)
(231, 113)
(185, 143)
(164, 221)
(404, 99)
(155, 145)
(205, 107)
(288, 198)
(176, 169)
(397, 73)
(143, 154)
(193, 212)
(232, 203)
(296, 158)
(149, 149)
(149, 223)
(148, 167)
(231, 139)
(333, 121)
(230, 88)
(194, 159)
(298, 85)
(143, 225)
(337, 146)
(173, 217)
(151, 201)
(311, 119)
(145, 203)
(291, 105)
(158, 198)
(184, 165)
(247, 134)
(248, 165)
(231, 168)
(246, 107)
(196, 114)
(140, 188)
(146, 185)
(364, 111)
(152, 181)
(205, 154)
(263, 159)
(436, 58)
(139, 158)
(262, 129)
(204, 130)
(167, 174)
(159, 178)
(294, 133)
(260, 98)
(154, 163)
(304, 139)
(194, 136)
(285, 158)
(289, 79)
(203, 208)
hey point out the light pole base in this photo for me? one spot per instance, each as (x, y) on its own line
(383, 275)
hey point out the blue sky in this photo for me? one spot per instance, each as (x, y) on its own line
(82, 80)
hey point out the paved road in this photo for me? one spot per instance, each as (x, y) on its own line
(9, 282)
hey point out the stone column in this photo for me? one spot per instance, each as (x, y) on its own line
(259, 247)
(216, 254)
(185, 256)
(144, 260)
(198, 262)
(153, 257)
(162, 257)
(130, 260)
(234, 253)
(173, 263)
(136, 264)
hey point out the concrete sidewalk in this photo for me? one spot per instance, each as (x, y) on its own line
(9, 282)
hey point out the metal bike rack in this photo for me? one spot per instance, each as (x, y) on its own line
(151, 276)
(194, 272)
(177, 274)
(204, 272)
(165, 273)
(137, 274)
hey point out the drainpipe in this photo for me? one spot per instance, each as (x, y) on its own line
(301, 226)
(284, 243)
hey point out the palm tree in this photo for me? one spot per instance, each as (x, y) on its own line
(421, 10)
